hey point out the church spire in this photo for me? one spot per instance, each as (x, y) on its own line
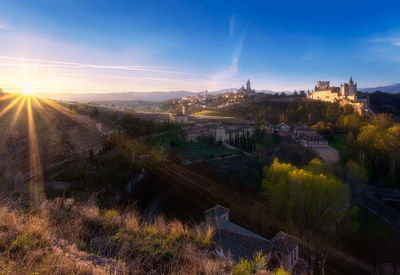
(351, 80)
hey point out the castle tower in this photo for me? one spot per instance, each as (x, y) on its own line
(352, 87)
(248, 87)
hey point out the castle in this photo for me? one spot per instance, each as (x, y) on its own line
(345, 94)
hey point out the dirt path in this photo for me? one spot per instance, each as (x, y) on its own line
(328, 154)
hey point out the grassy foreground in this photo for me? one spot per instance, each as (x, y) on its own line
(65, 237)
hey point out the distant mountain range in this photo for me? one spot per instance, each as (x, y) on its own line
(161, 96)
(131, 96)
(394, 88)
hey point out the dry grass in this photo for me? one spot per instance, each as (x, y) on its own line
(64, 237)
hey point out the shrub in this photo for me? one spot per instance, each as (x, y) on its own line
(243, 267)
(21, 242)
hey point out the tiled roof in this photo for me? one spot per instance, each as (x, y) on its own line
(285, 243)
(232, 227)
(236, 240)
(240, 246)
(217, 210)
(313, 138)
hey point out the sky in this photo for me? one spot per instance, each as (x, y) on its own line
(96, 46)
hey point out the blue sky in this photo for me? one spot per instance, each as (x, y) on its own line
(119, 46)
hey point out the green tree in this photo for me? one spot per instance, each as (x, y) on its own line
(358, 173)
(305, 200)
(348, 109)
(380, 145)
(352, 123)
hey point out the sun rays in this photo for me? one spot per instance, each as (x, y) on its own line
(36, 186)
(38, 111)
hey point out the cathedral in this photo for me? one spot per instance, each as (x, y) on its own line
(246, 91)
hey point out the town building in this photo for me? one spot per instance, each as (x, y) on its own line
(282, 129)
(269, 128)
(233, 241)
(309, 137)
(217, 132)
(226, 134)
(178, 118)
(313, 141)
(299, 132)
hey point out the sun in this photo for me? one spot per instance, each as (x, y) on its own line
(28, 91)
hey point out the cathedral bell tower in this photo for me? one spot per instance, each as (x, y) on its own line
(248, 87)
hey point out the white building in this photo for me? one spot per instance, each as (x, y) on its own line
(178, 118)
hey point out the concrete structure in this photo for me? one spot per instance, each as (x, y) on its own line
(232, 240)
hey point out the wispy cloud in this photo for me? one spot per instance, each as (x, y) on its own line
(232, 21)
(4, 27)
(39, 62)
(228, 73)
(385, 48)
(393, 39)
(238, 51)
